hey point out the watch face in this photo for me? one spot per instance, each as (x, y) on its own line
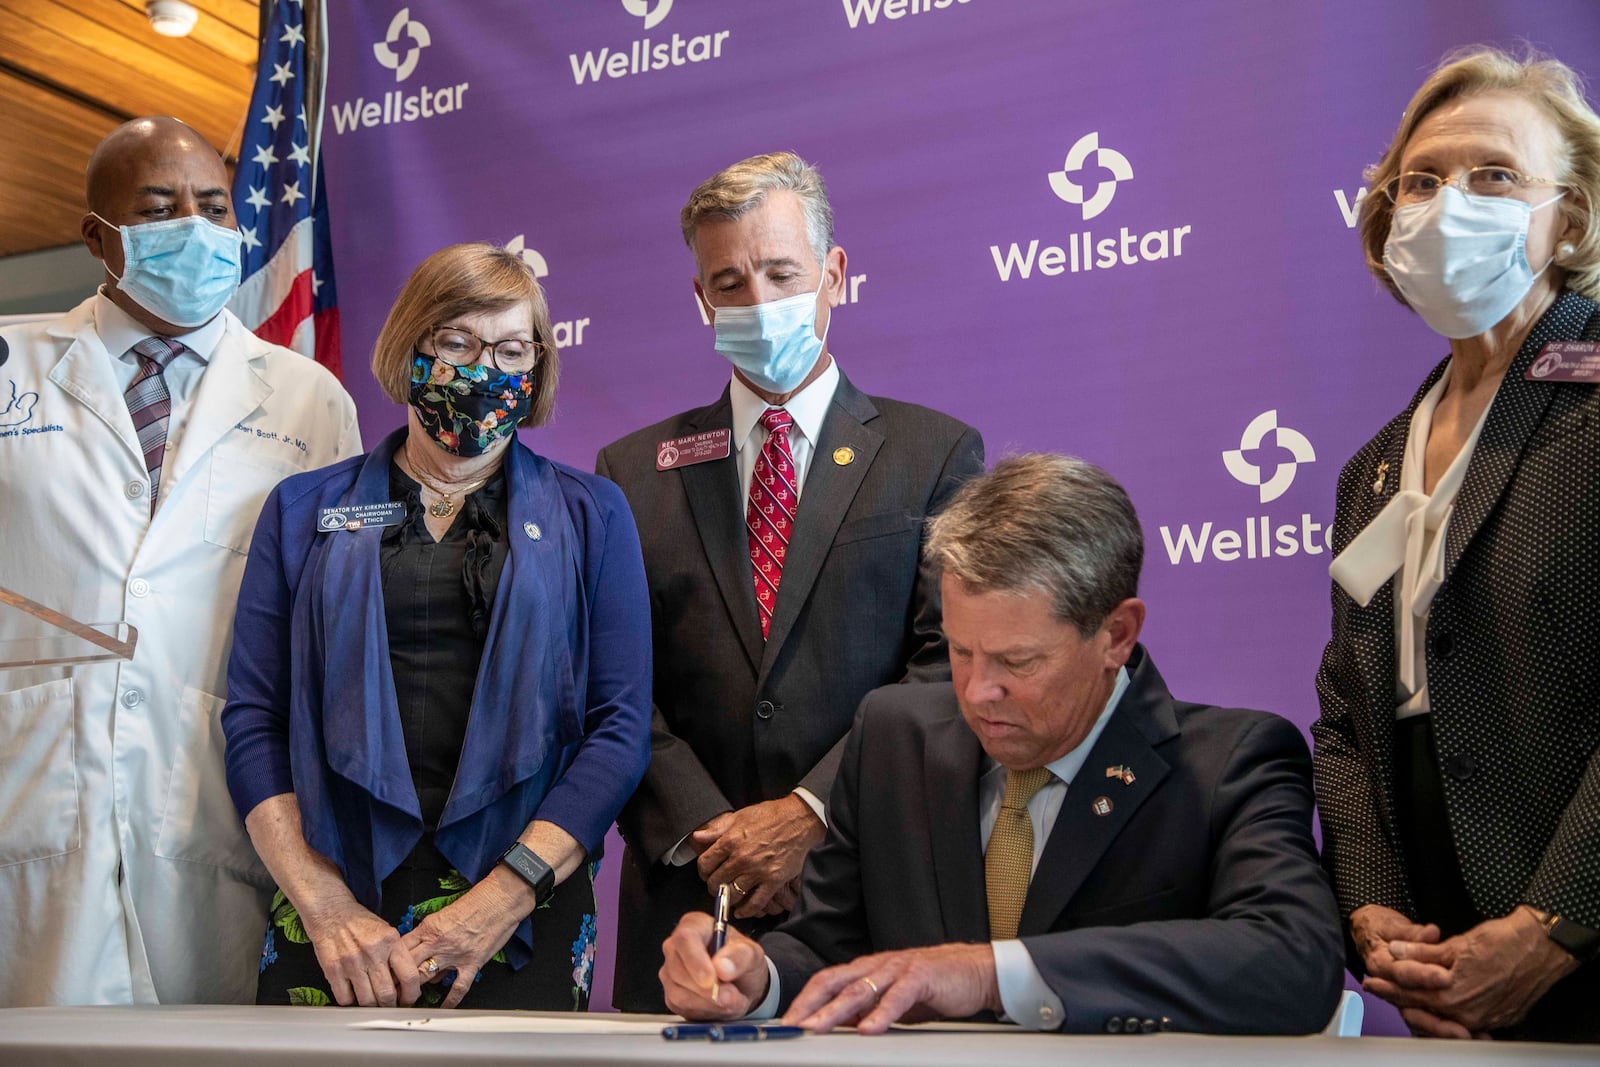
(1581, 941)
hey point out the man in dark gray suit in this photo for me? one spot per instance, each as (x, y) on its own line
(1053, 838)
(781, 528)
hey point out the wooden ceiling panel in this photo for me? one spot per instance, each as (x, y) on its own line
(71, 70)
(235, 41)
(58, 45)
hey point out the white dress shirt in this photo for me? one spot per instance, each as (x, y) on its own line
(1407, 541)
(121, 332)
(1027, 997)
(809, 409)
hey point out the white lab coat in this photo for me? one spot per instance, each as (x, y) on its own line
(125, 873)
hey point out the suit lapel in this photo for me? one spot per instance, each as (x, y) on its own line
(1143, 719)
(84, 372)
(829, 489)
(952, 763)
(1516, 411)
(230, 390)
(714, 496)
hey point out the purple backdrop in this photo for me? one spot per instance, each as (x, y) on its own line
(1206, 155)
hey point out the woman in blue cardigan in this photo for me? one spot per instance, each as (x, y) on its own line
(439, 696)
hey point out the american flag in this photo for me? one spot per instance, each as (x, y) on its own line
(287, 295)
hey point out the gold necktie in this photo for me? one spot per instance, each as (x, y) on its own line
(1008, 863)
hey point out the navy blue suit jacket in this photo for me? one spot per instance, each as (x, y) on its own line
(1194, 895)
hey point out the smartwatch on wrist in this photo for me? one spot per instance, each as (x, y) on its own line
(531, 869)
(1580, 942)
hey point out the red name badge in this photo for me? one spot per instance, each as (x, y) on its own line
(1567, 361)
(696, 448)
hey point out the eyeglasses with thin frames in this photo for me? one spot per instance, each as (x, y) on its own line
(1418, 187)
(461, 347)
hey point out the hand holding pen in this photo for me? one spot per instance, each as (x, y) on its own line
(702, 981)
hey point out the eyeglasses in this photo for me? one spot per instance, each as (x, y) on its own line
(459, 348)
(1418, 187)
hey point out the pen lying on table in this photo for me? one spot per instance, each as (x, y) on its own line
(729, 1032)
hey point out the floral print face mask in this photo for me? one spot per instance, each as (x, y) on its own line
(468, 410)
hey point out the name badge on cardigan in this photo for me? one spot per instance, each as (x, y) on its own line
(361, 516)
(1567, 361)
(696, 448)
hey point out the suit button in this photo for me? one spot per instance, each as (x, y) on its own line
(134, 489)
(1148, 1026)
(1130, 1025)
(1113, 1025)
(1460, 767)
(1166, 1024)
(764, 710)
(1444, 644)
(139, 587)
(132, 698)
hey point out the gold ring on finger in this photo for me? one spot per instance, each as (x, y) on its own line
(876, 992)
(429, 967)
(741, 890)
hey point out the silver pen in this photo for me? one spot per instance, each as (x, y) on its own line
(719, 919)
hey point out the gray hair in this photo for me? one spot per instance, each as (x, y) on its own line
(1043, 523)
(734, 191)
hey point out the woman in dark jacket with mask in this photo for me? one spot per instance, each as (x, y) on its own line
(1457, 768)
(439, 695)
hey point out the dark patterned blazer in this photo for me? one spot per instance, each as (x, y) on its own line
(738, 720)
(1513, 657)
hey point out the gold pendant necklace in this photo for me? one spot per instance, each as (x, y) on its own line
(444, 507)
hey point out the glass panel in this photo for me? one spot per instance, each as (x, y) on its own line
(34, 635)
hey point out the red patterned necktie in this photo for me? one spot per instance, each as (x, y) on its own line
(151, 405)
(769, 517)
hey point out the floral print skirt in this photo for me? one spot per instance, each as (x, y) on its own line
(557, 978)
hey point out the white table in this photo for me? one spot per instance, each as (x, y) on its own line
(272, 1037)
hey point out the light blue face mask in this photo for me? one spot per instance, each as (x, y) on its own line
(1461, 261)
(182, 271)
(775, 344)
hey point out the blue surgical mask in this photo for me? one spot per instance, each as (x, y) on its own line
(181, 270)
(775, 344)
(1461, 261)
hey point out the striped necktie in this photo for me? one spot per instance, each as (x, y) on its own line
(1008, 861)
(151, 406)
(769, 517)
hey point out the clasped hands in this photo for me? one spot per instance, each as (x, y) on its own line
(370, 963)
(1464, 986)
(873, 992)
(758, 850)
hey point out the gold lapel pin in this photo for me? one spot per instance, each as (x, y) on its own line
(1383, 472)
(844, 456)
(1121, 773)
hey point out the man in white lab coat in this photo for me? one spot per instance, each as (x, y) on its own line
(139, 435)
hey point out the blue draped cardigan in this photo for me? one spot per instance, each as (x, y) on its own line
(559, 726)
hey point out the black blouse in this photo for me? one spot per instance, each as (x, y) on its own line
(437, 598)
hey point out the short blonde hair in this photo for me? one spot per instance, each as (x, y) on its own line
(734, 191)
(465, 279)
(1548, 83)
